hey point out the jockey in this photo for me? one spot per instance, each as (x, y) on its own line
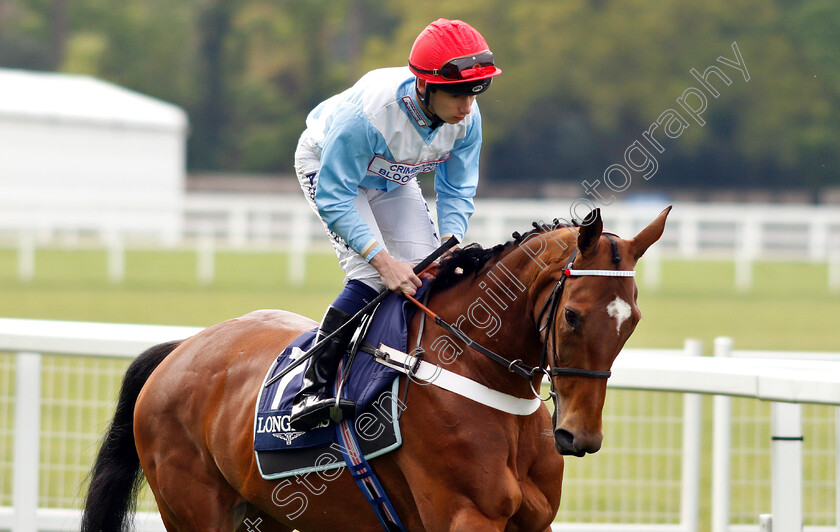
(357, 163)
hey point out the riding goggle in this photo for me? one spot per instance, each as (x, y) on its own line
(463, 68)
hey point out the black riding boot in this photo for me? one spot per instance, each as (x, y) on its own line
(314, 401)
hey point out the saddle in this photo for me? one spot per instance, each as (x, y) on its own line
(282, 451)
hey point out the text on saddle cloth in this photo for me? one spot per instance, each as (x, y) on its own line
(365, 382)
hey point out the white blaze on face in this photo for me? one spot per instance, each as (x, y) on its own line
(620, 310)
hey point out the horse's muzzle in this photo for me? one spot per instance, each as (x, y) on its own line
(567, 444)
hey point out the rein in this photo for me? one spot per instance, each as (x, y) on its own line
(549, 312)
(514, 366)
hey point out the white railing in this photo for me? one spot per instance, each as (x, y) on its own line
(29, 339)
(785, 379)
(206, 222)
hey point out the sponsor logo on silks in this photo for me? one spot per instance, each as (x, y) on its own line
(280, 427)
(400, 173)
(415, 113)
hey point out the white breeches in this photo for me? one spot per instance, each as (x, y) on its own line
(398, 219)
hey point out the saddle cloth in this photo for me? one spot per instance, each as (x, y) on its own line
(282, 451)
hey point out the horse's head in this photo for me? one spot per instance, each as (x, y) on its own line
(585, 315)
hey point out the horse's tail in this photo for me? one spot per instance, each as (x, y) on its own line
(116, 476)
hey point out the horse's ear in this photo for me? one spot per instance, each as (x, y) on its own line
(649, 234)
(590, 232)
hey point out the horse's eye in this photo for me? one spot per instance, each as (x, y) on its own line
(572, 318)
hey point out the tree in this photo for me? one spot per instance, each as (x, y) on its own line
(583, 79)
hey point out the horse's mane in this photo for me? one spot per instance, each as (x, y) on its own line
(471, 258)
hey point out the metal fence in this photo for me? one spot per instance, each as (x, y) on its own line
(655, 472)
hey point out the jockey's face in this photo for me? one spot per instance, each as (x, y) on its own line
(451, 108)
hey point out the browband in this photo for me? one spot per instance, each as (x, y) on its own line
(600, 273)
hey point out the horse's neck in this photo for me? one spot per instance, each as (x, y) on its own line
(496, 310)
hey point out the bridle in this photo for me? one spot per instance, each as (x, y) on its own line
(549, 312)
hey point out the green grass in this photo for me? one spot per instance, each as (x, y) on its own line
(161, 287)
(788, 309)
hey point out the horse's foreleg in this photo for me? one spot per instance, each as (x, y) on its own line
(469, 519)
(469, 492)
(442, 509)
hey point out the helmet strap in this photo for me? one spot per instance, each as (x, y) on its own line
(425, 99)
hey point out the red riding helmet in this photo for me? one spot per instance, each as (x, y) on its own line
(454, 57)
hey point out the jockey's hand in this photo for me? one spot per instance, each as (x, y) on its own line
(432, 271)
(397, 276)
(429, 273)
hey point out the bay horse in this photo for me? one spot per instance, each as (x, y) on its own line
(185, 411)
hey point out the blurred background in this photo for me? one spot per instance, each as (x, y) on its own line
(582, 79)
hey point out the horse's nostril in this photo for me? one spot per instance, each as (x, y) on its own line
(565, 442)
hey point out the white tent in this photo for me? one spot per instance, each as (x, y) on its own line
(81, 155)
